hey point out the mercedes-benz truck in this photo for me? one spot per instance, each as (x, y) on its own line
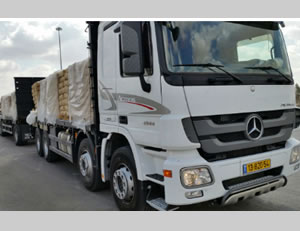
(183, 113)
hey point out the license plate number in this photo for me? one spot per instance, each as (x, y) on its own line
(256, 166)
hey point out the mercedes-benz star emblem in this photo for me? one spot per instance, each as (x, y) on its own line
(254, 127)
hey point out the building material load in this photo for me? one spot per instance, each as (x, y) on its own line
(35, 93)
(41, 109)
(66, 95)
(47, 106)
(52, 107)
(5, 105)
(63, 95)
(31, 118)
(13, 106)
(80, 94)
(35, 90)
(9, 106)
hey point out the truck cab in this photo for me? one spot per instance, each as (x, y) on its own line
(196, 111)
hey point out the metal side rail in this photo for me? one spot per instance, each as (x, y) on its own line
(61, 153)
(7, 128)
(253, 188)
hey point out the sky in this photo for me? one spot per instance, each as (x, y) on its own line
(30, 48)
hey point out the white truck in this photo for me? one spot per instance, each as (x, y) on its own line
(183, 112)
(14, 109)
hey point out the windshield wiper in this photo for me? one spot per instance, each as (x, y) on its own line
(267, 68)
(209, 65)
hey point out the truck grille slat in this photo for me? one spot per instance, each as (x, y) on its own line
(221, 135)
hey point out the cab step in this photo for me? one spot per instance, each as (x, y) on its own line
(160, 204)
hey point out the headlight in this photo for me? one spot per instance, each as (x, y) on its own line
(295, 155)
(193, 177)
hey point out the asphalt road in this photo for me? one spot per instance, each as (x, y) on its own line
(29, 183)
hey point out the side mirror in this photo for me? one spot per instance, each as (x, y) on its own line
(132, 52)
(131, 48)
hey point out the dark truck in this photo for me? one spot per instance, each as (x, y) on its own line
(17, 126)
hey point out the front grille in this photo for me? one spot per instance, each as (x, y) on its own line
(224, 136)
(235, 118)
(236, 136)
(230, 137)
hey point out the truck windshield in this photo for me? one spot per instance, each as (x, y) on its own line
(238, 47)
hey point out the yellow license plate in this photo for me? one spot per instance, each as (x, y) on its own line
(256, 166)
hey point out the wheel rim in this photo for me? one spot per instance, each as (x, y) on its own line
(38, 144)
(85, 165)
(16, 135)
(123, 183)
(45, 145)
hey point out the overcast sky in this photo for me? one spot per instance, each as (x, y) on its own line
(31, 48)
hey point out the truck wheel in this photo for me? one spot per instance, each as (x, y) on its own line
(129, 193)
(86, 165)
(49, 155)
(18, 135)
(39, 142)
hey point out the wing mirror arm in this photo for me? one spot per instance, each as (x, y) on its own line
(145, 86)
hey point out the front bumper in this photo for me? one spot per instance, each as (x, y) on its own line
(221, 171)
(253, 188)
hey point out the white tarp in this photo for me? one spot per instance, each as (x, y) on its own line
(52, 107)
(9, 106)
(31, 118)
(5, 105)
(80, 105)
(42, 104)
(47, 110)
(13, 106)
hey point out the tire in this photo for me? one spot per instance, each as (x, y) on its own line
(49, 155)
(17, 132)
(89, 175)
(129, 193)
(39, 142)
(2, 133)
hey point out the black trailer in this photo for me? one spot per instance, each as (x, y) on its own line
(21, 131)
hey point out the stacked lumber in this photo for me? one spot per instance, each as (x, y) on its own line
(63, 95)
(35, 90)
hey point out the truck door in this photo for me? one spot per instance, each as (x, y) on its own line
(107, 72)
(139, 111)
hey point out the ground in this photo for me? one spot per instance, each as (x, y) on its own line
(28, 182)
